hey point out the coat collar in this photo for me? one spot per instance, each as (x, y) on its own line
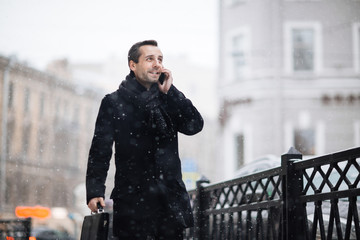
(133, 85)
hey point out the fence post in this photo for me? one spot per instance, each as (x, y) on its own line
(202, 203)
(27, 225)
(293, 226)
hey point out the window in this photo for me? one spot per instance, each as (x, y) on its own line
(237, 62)
(303, 48)
(23, 194)
(42, 136)
(356, 47)
(10, 136)
(240, 147)
(42, 105)
(26, 100)
(61, 149)
(40, 196)
(239, 59)
(26, 140)
(8, 190)
(66, 111)
(304, 140)
(11, 95)
(231, 3)
(57, 108)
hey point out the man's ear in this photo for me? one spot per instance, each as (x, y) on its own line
(132, 65)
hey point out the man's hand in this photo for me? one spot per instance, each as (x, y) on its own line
(165, 86)
(93, 203)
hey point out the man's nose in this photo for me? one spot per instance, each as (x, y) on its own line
(157, 63)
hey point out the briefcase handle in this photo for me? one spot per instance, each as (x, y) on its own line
(100, 209)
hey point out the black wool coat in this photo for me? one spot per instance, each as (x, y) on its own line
(148, 169)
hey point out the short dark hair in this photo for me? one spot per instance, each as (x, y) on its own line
(134, 52)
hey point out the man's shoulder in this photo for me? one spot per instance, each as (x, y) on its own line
(114, 96)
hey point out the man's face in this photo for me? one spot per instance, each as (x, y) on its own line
(149, 66)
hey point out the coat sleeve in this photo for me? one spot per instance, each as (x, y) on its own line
(183, 112)
(100, 151)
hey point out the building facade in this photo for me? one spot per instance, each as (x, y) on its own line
(47, 127)
(289, 76)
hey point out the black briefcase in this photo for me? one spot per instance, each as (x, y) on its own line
(95, 226)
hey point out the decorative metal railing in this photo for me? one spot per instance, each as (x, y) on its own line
(318, 198)
(17, 229)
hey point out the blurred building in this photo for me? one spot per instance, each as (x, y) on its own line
(289, 76)
(47, 127)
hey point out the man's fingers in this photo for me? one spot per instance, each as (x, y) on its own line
(102, 202)
(93, 204)
(165, 86)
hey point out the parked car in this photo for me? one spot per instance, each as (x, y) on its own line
(343, 203)
(261, 164)
(45, 233)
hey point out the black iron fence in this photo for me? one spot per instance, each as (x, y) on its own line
(318, 198)
(16, 229)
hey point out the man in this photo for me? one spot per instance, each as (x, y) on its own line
(143, 118)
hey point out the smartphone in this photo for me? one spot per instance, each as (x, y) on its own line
(162, 78)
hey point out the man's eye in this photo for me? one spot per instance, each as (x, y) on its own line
(149, 59)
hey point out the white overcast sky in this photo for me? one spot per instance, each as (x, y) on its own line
(38, 31)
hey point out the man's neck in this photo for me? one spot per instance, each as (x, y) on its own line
(145, 84)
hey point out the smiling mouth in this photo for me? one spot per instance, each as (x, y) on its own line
(156, 73)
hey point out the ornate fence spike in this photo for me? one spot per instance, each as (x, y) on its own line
(293, 151)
